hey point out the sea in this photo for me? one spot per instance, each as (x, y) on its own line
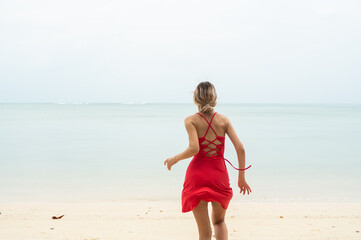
(116, 151)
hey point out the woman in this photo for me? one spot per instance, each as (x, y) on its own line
(206, 177)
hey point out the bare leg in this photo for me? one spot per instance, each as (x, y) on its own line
(220, 227)
(202, 218)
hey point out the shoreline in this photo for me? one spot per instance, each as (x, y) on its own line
(178, 200)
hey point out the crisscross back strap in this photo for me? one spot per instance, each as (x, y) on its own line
(209, 123)
(212, 142)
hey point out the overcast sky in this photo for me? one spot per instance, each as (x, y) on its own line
(158, 51)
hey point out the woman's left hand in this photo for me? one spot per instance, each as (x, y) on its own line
(170, 162)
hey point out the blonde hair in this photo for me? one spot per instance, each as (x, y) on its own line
(205, 97)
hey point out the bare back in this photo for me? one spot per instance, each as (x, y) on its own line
(219, 124)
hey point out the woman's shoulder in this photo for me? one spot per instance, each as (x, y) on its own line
(223, 117)
(190, 117)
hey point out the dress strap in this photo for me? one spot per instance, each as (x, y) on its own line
(209, 123)
(240, 169)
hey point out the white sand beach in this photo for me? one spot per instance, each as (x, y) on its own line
(148, 220)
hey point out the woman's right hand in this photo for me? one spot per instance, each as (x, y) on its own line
(242, 184)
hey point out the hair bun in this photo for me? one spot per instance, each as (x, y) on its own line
(206, 108)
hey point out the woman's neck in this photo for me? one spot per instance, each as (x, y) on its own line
(207, 113)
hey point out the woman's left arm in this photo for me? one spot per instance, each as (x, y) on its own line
(191, 150)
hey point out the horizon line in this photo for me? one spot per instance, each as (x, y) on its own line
(143, 103)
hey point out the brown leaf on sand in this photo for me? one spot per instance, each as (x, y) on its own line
(54, 217)
(281, 216)
(357, 231)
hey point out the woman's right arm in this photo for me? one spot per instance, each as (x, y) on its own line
(241, 155)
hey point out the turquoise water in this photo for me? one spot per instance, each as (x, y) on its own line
(116, 151)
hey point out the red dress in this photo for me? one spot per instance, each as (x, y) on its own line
(206, 176)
